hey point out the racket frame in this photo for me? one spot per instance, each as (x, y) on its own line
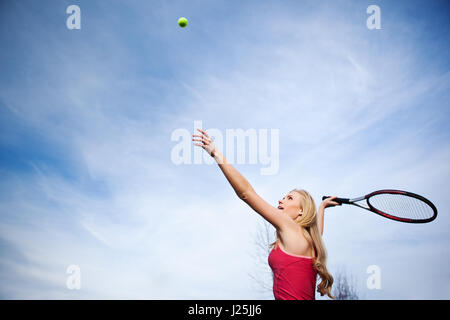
(384, 214)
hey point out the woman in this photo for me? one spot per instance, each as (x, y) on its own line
(298, 254)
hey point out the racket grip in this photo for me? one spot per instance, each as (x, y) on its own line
(338, 200)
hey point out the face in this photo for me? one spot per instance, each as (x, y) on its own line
(290, 204)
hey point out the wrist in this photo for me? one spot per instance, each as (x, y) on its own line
(217, 156)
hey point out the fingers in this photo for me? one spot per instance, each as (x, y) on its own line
(203, 140)
(206, 142)
(197, 139)
(204, 132)
(201, 135)
(204, 137)
(329, 201)
(334, 202)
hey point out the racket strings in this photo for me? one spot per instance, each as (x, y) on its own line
(401, 206)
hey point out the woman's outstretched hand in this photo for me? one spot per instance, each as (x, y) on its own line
(206, 142)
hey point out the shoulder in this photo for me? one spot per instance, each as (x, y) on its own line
(293, 241)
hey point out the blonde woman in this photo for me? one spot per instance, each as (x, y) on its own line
(298, 254)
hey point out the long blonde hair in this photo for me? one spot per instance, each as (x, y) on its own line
(308, 222)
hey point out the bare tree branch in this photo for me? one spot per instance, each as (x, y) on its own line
(263, 276)
(344, 287)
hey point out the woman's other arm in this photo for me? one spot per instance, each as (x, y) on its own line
(321, 212)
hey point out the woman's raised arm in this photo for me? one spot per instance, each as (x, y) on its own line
(241, 186)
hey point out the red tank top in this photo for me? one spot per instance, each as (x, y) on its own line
(294, 277)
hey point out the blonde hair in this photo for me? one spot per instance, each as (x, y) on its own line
(308, 222)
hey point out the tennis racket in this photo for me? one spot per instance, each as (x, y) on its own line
(397, 205)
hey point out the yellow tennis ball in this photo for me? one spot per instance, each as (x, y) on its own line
(182, 22)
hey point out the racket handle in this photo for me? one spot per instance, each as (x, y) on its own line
(338, 200)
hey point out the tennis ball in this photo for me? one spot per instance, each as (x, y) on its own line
(182, 22)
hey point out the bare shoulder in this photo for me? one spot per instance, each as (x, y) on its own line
(294, 242)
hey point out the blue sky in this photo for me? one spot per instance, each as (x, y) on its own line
(85, 142)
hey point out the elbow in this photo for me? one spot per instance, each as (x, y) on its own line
(243, 195)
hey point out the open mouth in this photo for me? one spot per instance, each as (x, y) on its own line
(280, 207)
